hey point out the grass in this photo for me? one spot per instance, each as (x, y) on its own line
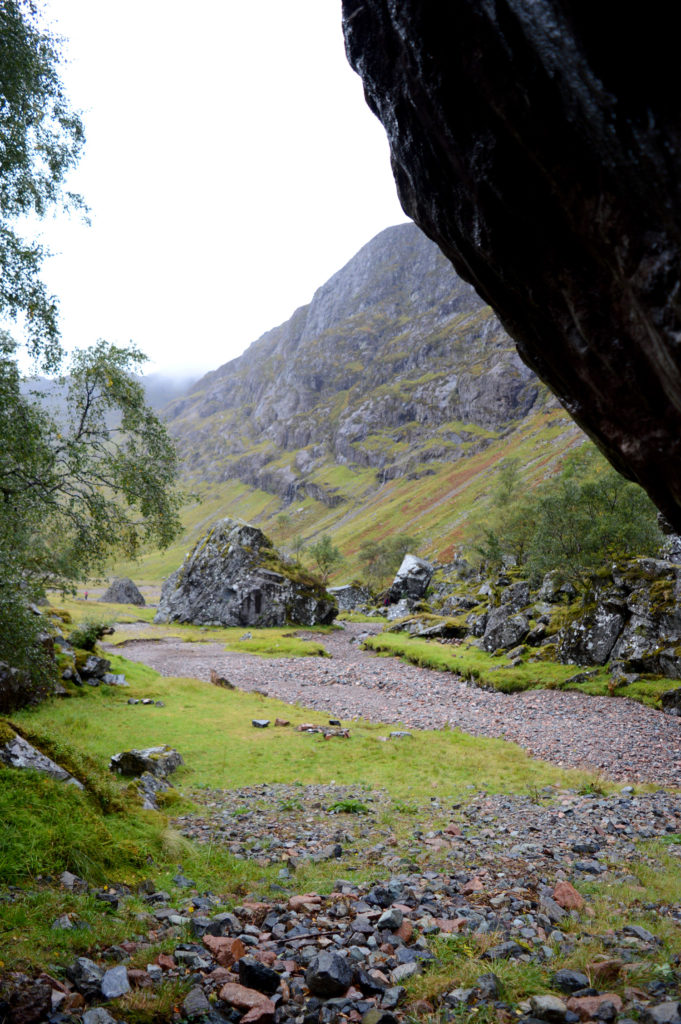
(478, 666)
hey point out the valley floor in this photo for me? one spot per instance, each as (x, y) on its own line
(618, 737)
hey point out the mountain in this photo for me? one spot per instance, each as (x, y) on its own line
(384, 404)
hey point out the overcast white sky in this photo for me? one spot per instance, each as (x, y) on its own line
(231, 167)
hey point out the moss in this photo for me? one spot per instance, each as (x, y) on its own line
(7, 733)
(549, 652)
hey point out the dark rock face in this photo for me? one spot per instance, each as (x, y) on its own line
(411, 579)
(234, 577)
(122, 591)
(540, 146)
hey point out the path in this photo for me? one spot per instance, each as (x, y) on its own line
(618, 737)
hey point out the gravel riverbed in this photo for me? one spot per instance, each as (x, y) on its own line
(618, 737)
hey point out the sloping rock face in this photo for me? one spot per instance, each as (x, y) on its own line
(122, 591)
(234, 577)
(394, 365)
(540, 146)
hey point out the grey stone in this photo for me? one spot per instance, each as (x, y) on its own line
(504, 951)
(569, 981)
(411, 580)
(553, 911)
(503, 629)
(460, 996)
(122, 591)
(19, 753)
(253, 974)
(160, 761)
(392, 996)
(233, 577)
(403, 971)
(260, 723)
(391, 919)
(195, 1003)
(350, 596)
(662, 1013)
(328, 975)
(98, 1015)
(488, 986)
(86, 975)
(640, 933)
(115, 982)
(549, 1008)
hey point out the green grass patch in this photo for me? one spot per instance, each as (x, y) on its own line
(478, 666)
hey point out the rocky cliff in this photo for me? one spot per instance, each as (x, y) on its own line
(540, 145)
(395, 365)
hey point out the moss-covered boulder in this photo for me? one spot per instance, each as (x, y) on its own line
(235, 577)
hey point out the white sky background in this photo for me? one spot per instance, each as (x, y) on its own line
(231, 166)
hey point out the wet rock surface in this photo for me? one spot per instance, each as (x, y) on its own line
(621, 738)
(493, 112)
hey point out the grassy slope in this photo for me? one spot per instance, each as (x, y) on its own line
(434, 507)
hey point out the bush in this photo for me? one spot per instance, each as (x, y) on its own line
(86, 635)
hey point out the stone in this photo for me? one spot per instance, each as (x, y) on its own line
(350, 597)
(234, 577)
(548, 1008)
(587, 1007)
(485, 154)
(504, 629)
(225, 950)
(328, 975)
(552, 909)
(390, 919)
(378, 1016)
(569, 981)
(19, 753)
(567, 897)
(488, 987)
(98, 1015)
(254, 974)
(149, 786)
(260, 723)
(159, 761)
(671, 701)
(504, 951)
(95, 668)
(86, 975)
(244, 998)
(412, 580)
(29, 1001)
(639, 933)
(662, 1013)
(115, 982)
(195, 1003)
(122, 591)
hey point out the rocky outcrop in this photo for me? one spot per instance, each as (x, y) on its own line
(16, 752)
(122, 591)
(411, 580)
(351, 596)
(395, 364)
(234, 577)
(540, 146)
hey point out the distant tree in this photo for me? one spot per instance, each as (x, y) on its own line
(326, 556)
(297, 547)
(380, 560)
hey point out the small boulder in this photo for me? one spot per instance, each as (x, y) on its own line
(160, 761)
(411, 580)
(122, 591)
(328, 975)
(19, 753)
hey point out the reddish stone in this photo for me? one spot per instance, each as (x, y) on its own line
(221, 976)
(224, 949)
(475, 885)
(450, 926)
(139, 978)
(166, 962)
(605, 970)
(256, 911)
(73, 1001)
(453, 829)
(587, 1006)
(244, 998)
(308, 901)
(265, 956)
(129, 946)
(567, 897)
(263, 1014)
(405, 931)
(281, 721)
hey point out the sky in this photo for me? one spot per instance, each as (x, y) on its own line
(231, 167)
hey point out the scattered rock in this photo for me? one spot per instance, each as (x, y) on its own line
(159, 761)
(328, 975)
(115, 982)
(122, 591)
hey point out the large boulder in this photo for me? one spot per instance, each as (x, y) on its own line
(159, 761)
(234, 577)
(16, 752)
(351, 596)
(411, 580)
(122, 591)
(539, 144)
